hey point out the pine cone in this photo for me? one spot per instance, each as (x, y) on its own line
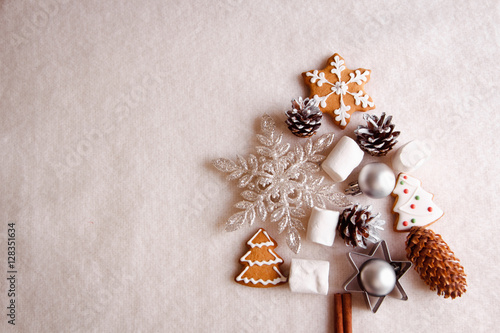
(377, 138)
(435, 262)
(357, 225)
(304, 118)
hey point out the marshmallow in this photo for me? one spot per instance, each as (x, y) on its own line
(321, 226)
(343, 158)
(309, 276)
(410, 157)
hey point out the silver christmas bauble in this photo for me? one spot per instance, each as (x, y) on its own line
(377, 277)
(376, 180)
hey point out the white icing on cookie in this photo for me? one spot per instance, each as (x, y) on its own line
(261, 262)
(275, 281)
(341, 88)
(413, 205)
(276, 260)
(259, 245)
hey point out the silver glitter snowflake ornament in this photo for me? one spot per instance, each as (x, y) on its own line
(280, 183)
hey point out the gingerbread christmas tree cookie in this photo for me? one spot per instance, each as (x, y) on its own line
(413, 205)
(339, 91)
(261, 263)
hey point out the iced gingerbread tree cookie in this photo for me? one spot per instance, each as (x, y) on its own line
(261, 263)
(413, 205)
(339, 91)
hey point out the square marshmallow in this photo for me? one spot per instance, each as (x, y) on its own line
(309, 276)
(322, 225)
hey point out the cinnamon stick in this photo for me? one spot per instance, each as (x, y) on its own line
(337, 316)
(347, 313)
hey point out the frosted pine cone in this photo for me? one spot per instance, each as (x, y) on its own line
(357, 225)
(435, 262)
(378, 137)
(304, 118)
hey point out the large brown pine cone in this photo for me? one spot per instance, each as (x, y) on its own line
(435, 262)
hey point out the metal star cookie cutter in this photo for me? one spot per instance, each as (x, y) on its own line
(379, 251)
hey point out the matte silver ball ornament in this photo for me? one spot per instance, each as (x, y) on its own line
(376, 180)
(377, 277)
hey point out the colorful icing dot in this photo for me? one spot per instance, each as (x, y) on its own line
(413, 221)
(429, 209)
(405, 191)
(417, 198)
(405, 223)
(412, 206)
(402, 182)
(405, 177)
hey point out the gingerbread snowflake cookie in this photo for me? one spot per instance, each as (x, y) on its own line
(413, 205)
(339, 91)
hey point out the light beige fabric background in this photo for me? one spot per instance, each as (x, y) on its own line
(111, 112)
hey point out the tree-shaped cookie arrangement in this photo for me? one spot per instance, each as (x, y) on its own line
(261, 263)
